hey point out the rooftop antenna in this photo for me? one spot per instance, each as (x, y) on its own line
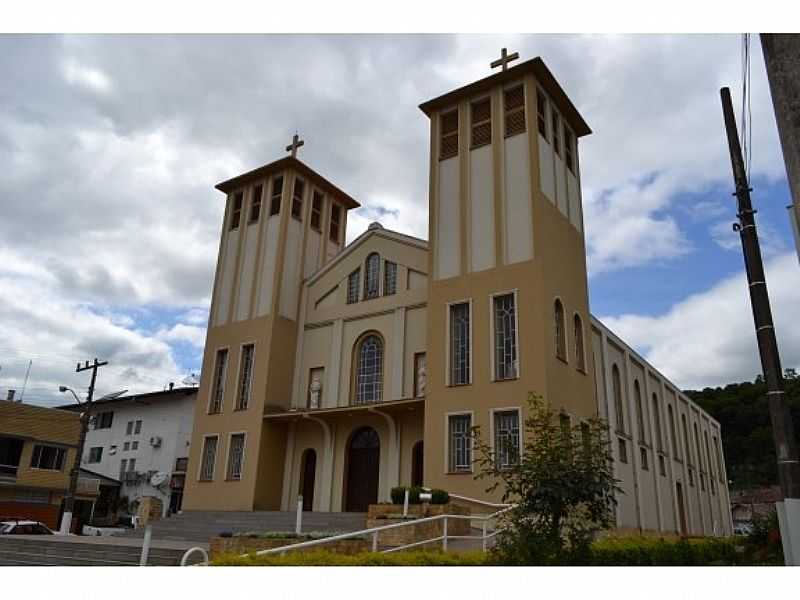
(27, 374)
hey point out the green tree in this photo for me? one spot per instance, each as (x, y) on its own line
(561, 485)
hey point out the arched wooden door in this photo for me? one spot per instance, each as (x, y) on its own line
(308, 473)
(417, 455)
(363, 468)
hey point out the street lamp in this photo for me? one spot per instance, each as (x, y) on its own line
(69, 499)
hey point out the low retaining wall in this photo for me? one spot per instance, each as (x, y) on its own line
(379, 515)
(245, 544)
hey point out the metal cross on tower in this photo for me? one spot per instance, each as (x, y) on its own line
(296, 143)
(504, 59)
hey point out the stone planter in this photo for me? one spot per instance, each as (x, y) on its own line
(244, 544)
(379, 515)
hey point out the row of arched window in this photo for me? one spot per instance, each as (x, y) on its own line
(560, 326)
(372, 280)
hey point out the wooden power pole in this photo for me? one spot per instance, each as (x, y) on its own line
(69, 499)
(782, 427)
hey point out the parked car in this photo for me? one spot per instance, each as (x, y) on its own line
(23, 527)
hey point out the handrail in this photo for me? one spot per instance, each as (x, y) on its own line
(191, 551)
(483, 502)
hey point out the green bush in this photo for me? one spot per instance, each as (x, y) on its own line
(398, 494)
(325, 558)
(439, 497)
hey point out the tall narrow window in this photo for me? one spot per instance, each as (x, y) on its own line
(541, 114)
(389, 278)
(336, 215)
(565, 423)
(235, 457)
(369, 373)
(236, 214)
(580, 354)
(123, 466)
(700, 464)
(506, 438)
(481, 123)
(95, 454)
(514, 105)
(459, 343)
(297, 199)
(460, 443)
(218, 388)
(673, 438)
(208, 458)
(255, 205)
(275, 198)
(448, 141)
(657, 424)
(569, 149)
(245, 377)
(637, 400)
(353, 285)
(560, 333)
(718, 456)
(372, 271)
(686, 447)
(619, 409)
(316, 211)
(138, 427)
(129, 428)
(556, 132)
(505, 337)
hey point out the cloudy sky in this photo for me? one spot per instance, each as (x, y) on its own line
(110, 148)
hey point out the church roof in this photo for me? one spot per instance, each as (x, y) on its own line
(543, 76)
(288, 162)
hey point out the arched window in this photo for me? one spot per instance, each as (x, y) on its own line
(672, 437)
(580, 357)
(561, 335)
(372, 277)
(657, 424)
(637, 398)
(369, 370)
(616, 384)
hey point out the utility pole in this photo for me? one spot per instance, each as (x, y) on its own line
(69, 499)
(782, 59)
(782, 427)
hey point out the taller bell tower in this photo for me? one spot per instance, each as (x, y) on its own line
(508, 309)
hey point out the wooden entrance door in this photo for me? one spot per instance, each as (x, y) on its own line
(681, 509)
(417, 457)
(309, 463)
(363, 467)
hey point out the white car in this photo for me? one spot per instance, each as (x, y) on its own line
(23, 527)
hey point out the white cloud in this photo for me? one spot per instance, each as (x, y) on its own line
(196, 336)
(709, 339)
(87, 77)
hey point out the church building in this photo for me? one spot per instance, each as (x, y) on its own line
(336, 372)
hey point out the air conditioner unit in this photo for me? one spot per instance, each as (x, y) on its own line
(155, 441)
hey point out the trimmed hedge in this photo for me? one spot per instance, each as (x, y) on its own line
(324, 558)
(398, 493)
(642, 551)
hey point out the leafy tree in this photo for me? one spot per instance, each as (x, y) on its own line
(561, 484)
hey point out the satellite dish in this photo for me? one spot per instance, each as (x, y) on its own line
(159, 478)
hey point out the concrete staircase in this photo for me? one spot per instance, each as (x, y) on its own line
(43, 550)
(200, 526)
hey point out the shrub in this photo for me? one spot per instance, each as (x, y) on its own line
(413, 494)
(641, 551)
(398, 494)
(439, 497)
(322, 558)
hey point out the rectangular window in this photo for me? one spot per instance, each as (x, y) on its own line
(104, 420)
(514, 105)
(123, 466)
(389, 278)
(132, 465)
(662, 466)
(460, 443)
(181, 464)
(95, 454)
(623, 451)
(448, 141)
(541, 114)
(255, 206)
(297, 199)
(569, 149)
(505, 337)
(353, 286)
(138, 429)
(316, 211)
(643, 455)
(718, 455)
(48, 457)
(129, 428)
(481, 123)
(218, 388)
(126, 446)
(236, 214)
(556, 133)
(506, 438)
(459, 343)
(236, 457)
(245, 377)
(208, 458)
(134, 445)
(336, 215)
(275, 199)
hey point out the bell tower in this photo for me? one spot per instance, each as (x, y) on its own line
(282, 222)
(508, 309)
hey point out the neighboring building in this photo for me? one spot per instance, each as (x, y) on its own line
(748, 505)
(142, 441)
(339, 372)
(37, 453)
